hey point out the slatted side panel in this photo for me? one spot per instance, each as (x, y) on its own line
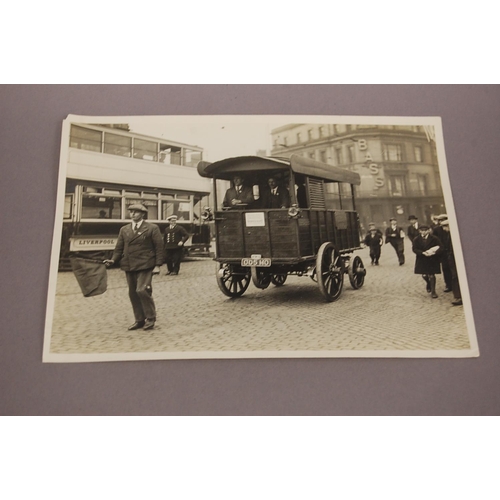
(230, 234)
(283, 231)
(317, 194)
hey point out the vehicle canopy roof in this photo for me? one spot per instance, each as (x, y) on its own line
(227, 168)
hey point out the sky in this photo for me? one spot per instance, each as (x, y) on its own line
(220, 137)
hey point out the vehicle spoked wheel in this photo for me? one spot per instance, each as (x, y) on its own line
(278, 279)
(231, 283)
(330, 271)
(260, 279)
(357, 273)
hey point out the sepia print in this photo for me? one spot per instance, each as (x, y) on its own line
(255, 236)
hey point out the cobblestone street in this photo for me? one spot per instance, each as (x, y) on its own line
(391, 312)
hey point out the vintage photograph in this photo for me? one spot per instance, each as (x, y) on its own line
(182, 237)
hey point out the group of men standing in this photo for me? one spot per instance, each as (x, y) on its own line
(141, 250)
(432, 246)
(240, 196)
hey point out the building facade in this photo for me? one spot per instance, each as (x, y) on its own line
(397, 164)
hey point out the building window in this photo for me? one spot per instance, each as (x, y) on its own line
(397, 185)
(298, 137)
(418, 154)
(321, 131)
(117, 145)
(84, 138)
(348, 128)
(310, 134)
(392, 152)
(322, 156)
(312, 155)
(338, 156)
(422, 185)
(351, 154)
(336, 129)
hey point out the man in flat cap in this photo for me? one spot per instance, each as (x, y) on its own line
(139, 250)
(173, 240)
(395, 235)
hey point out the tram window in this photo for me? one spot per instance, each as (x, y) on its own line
(68, 206)
(181, 208)
(151, 205)
(101, 207)
(170, 154)
(145, 150)
(83, 138)
(117, 145)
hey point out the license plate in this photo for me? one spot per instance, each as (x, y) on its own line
(256, 262)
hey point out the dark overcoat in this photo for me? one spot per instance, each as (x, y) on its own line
(424, 264)
(278, 200)
(245, 196)
(412, 232)
(139, 251)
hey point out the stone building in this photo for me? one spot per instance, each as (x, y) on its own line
(397, 164)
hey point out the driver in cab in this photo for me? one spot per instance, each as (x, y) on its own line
(238, 196)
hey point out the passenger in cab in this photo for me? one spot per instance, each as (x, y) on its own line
(275, 196)
(238, 196)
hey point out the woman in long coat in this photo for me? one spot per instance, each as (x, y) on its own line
(428, 248)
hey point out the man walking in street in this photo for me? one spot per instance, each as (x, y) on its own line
(428, 248)
(448, 251)
(412, 231)
(396, 236)
(374, 240)
(173, 240)
(438, 231)
(139, 250)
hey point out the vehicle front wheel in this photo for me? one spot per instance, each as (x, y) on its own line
(330, 271)
(278, 279)
(230, 283)
(260, 278)
(357, 273)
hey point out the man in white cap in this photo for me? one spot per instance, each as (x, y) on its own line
(173, 240)
(139, 250)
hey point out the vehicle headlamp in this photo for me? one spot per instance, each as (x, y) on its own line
(294, 212)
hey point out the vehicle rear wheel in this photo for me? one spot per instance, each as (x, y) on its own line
(330, 271)
(278, 279)
(260, 278)
(230, 283)
(357, 273)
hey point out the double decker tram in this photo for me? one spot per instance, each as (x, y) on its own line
(110, 168)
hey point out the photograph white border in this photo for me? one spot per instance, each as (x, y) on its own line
(436, 122)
